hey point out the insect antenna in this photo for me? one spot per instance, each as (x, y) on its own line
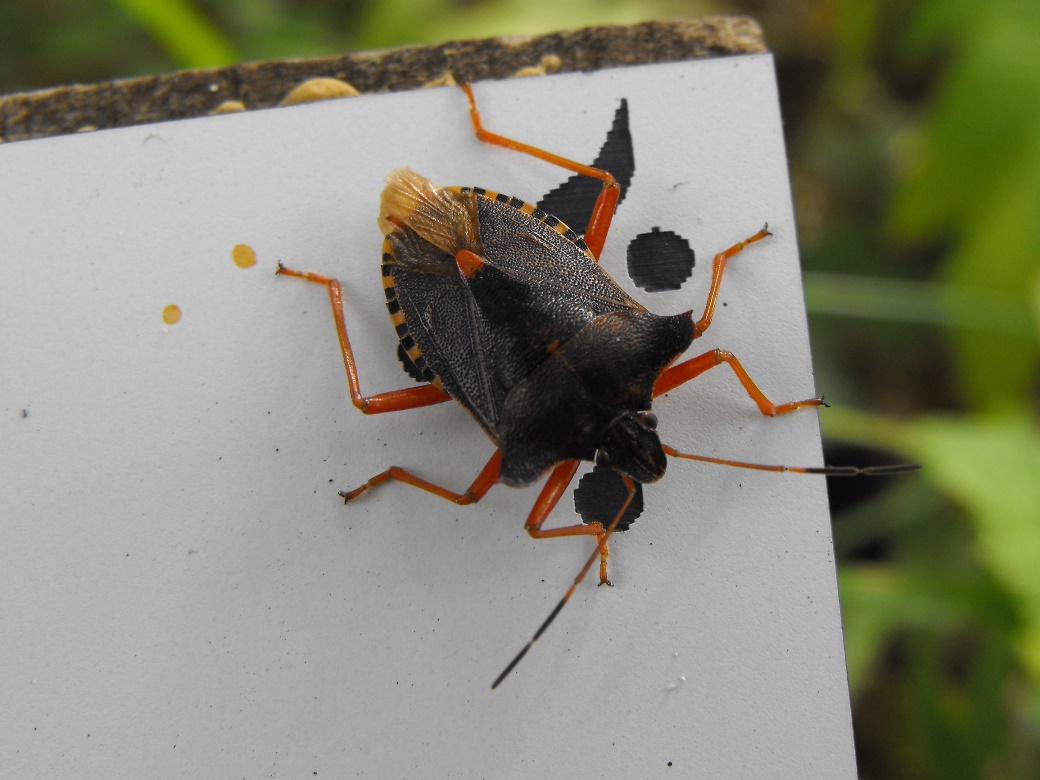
(827, 471)
(597, 553)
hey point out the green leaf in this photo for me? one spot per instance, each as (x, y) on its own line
(878, 601)
(183, 31)
(991, 465)
(927, 303)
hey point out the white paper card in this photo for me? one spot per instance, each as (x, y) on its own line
(184, 595)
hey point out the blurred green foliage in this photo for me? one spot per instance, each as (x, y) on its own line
(976, 176)
(914, 134)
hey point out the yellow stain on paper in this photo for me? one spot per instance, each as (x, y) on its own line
(171, 314)
(243, 255)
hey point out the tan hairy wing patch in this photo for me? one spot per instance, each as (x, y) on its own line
(445, 217)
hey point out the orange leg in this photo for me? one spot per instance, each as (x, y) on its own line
(602, 213)
(554, 488)
(688, 369)
(487, 477)
(718, 266)
(393, 401)
(557, 484)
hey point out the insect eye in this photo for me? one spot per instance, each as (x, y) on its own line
(602, 458)
(651, 420)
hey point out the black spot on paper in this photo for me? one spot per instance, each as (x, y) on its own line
(660, 260)
(599, 497)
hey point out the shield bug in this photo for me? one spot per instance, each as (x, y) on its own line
(500, 306)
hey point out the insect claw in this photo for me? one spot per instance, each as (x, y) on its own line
(822, 402)
(348, 497)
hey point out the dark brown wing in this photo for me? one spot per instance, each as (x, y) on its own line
(480, 335)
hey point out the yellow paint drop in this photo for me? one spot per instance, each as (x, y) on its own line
(171, 314)
(243, 255)
(319, 89)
